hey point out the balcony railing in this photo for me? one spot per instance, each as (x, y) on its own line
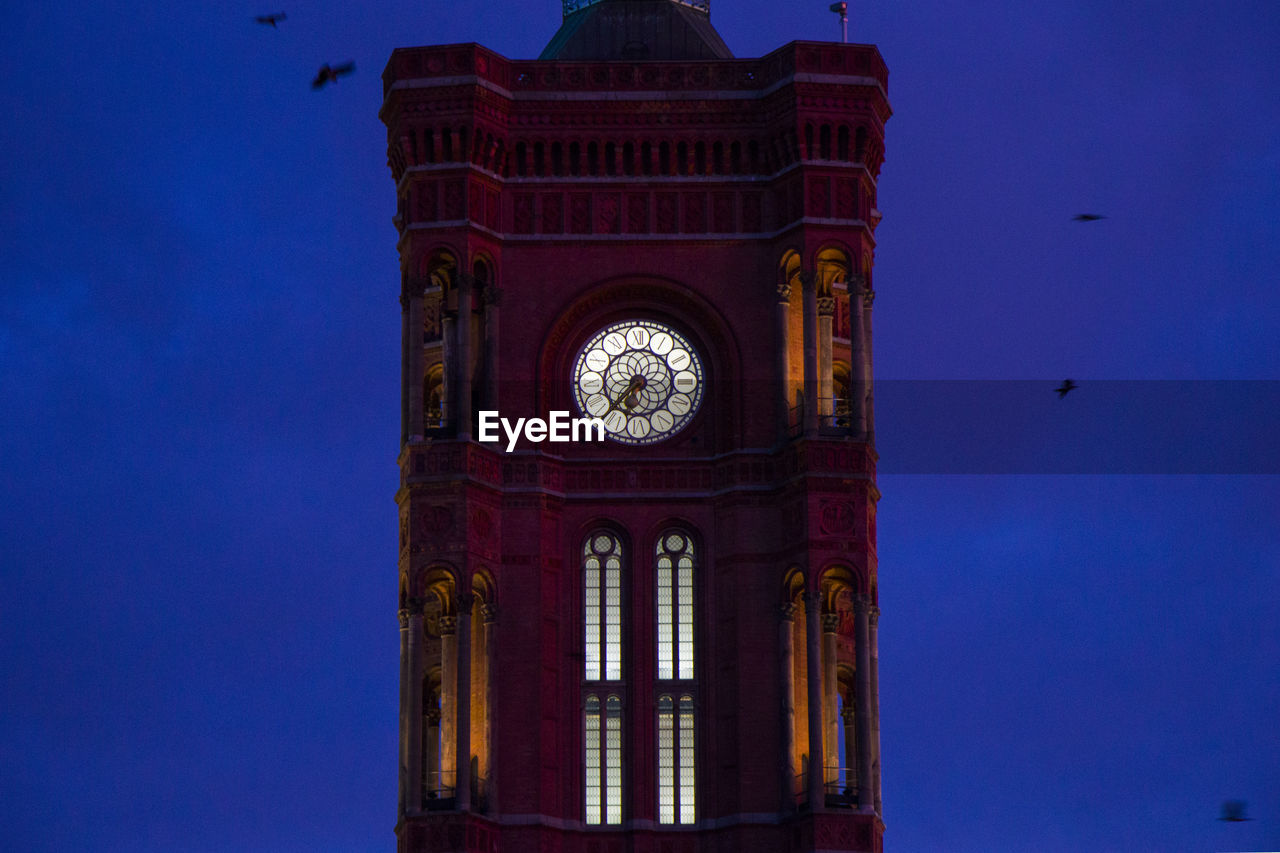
(835, 417)
(440, 792)
(839, 791)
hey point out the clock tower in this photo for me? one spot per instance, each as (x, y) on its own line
(659, 633)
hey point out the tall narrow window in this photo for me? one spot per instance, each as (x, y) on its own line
(603, 757)
(591, 728)
(676, 785)
(613, 760)
(602, 607)
(674, 560)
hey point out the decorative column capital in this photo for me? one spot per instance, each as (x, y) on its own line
(403, 615)
(856, 283)
(489, 613)
(788, 611)
(861, 604)
(868, 296)
(874, 615)
(826, 306)
(784, 293)
(491, 295)
(830, 623)
(464, 602)
(808, 281)
(448, 625)
(813, 600)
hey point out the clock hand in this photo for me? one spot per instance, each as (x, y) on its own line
(628, 398)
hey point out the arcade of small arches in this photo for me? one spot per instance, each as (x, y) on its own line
(440, 395)
(828, 636)
(763, 155)
(824, 344)
(446, 652)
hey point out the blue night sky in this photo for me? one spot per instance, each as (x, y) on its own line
(199, 356)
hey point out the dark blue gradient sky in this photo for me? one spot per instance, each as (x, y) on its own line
(199, 411)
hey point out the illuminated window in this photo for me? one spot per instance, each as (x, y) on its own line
(602, 607)
(674, 558)
(592, 730)
(675, 760)
(603, 761)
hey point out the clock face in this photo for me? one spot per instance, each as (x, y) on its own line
(643, 379)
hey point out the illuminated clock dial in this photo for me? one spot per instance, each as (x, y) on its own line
(642, 378)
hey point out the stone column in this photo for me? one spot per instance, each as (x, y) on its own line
(449, 359)
(812, 606)
(830, 757)
(431, 761)
(414, 377)
(492, 296)
(826, 378)
(868, 298)
(858, 347)
(783, 359)
(413, 772)
(489, 613)
(462, 404)
(406, 416)
(404, 708)
(463, 751)
(448, 702)
(874, 630)
(810, 354)
(848, 720)
(787, 656)
(866, 796)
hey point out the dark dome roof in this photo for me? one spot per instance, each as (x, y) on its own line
(637, 29)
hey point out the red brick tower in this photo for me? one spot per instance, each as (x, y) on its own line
(640, 643)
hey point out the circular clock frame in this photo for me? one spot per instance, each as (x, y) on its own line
(642, 377)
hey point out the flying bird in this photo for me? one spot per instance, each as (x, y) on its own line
(1065, 388)
(1233, 811)
(1088, 217)
(331, 75)
(270, 19)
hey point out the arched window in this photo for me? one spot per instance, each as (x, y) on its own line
(602, 606)
(675, 760)
(603, 760)
(674, 567)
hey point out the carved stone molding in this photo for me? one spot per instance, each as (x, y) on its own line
(826, 306)
(448, 625)
(788, 611)
(784, 293)
(830, 623)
